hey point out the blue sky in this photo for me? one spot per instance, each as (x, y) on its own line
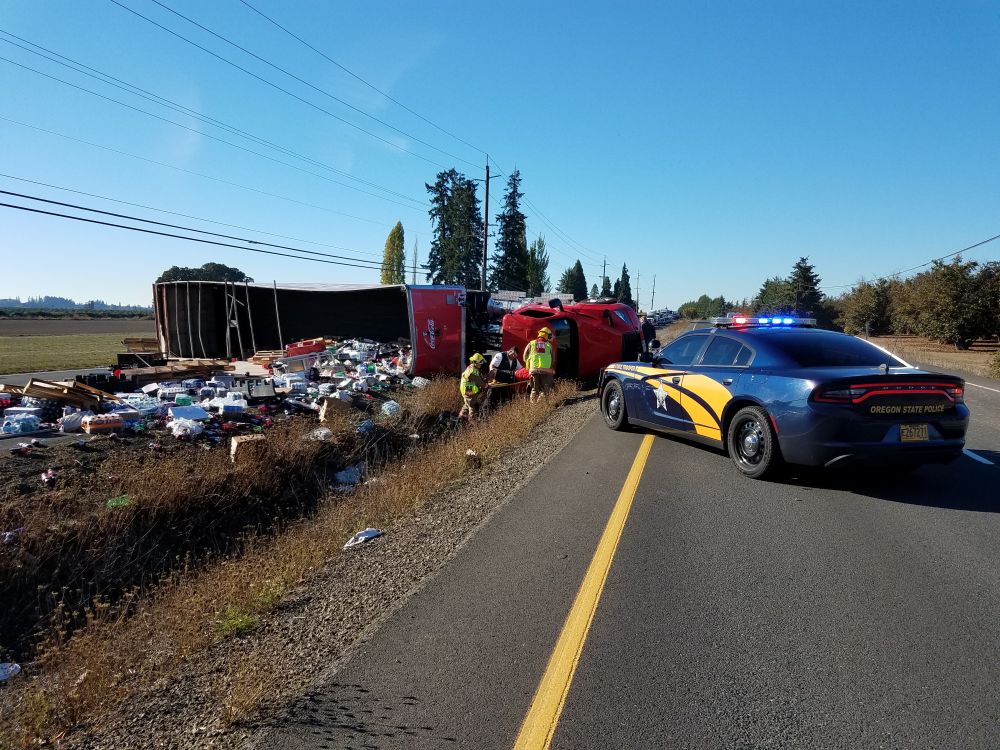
(710, 144)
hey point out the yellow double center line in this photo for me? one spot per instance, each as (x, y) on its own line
(540, 723)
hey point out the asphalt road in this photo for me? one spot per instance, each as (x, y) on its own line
(829, 610)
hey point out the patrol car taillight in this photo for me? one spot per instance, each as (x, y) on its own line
(856, 393)
(839, 395)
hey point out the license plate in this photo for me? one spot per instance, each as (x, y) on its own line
(913, 433)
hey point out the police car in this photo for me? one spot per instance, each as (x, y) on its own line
(773, 390)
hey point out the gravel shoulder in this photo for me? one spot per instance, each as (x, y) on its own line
(319, 626)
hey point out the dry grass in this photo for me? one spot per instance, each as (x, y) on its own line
(126, 649)
(982, 358)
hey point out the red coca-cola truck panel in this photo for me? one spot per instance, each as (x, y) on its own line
(437, 328)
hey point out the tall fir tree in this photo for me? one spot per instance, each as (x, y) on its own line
(624, 288)
(804, 283)
(510, 263)
(594, 291)
(538, 268)
(573, 281)
(394, 257)
(606, 287)
(456, 248)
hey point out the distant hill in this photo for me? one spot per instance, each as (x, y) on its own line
(63, 303)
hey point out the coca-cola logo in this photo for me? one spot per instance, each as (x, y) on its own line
(430, 335)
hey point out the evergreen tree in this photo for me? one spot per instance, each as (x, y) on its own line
(510, 264)
(804, 283)
(565, 284)
(538, 268)
(454, 256)
(394, 257)
(623, 291)
(579, 282)
(573, 281)
(606, 287)
(776, 295)
(594, 291)
(617, 288)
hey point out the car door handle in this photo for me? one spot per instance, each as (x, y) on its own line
(727, 381)
(675, 379)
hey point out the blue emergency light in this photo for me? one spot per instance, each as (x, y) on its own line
(737, 320)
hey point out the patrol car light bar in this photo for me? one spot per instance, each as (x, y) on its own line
(746, 321)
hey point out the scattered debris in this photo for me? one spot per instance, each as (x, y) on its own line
(320, 435)
(49, 478)
(9, 537)
(237, 444)
(9, 669)
(350, 476)
(363, 536)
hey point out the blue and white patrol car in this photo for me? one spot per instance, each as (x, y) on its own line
(774, 389)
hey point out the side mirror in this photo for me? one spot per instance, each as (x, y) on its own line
(645, 357)
(654, 344)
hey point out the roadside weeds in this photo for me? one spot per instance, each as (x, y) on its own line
(126, 650)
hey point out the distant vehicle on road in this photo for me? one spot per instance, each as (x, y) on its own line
(777, 390)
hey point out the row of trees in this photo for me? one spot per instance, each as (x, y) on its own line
(457, 246)
(953, 303)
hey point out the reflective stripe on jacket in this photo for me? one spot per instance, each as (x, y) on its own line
(538, 356)
(466, 387)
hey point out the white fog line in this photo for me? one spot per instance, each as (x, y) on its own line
(984, 387)
(976, 457)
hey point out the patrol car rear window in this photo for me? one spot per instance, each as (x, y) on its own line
(726, 352)
(827, 350)
(682, 351)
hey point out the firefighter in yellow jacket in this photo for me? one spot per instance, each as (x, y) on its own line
(472, 386)
(540, 359)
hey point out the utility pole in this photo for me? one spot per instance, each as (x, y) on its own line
(415, 240)
(486, 223)
(637, 303)
(604, 271)
(652, 299)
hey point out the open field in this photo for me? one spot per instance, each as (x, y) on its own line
(32, 345)
(69, 326)
(975, 360)
(40, 353)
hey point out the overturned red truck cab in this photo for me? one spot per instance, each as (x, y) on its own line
(588, 335)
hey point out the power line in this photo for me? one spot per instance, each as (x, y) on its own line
(359, 78)
(184, 228)
(186, 216)
(108, 79)
(274, 85)
(182, 237)
(188, 171)
(209, 135)
(922, 265)
(304, 82)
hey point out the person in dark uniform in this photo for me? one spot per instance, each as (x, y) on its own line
(648, 332)
(502, 369)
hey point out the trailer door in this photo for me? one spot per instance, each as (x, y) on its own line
(437, 329)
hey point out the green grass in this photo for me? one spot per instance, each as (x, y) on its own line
(236, 622)
(35, 353)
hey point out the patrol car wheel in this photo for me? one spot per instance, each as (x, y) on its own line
(752, 444)
(613, 406)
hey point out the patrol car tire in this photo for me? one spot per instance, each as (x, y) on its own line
(752, 444)
(613, 406)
